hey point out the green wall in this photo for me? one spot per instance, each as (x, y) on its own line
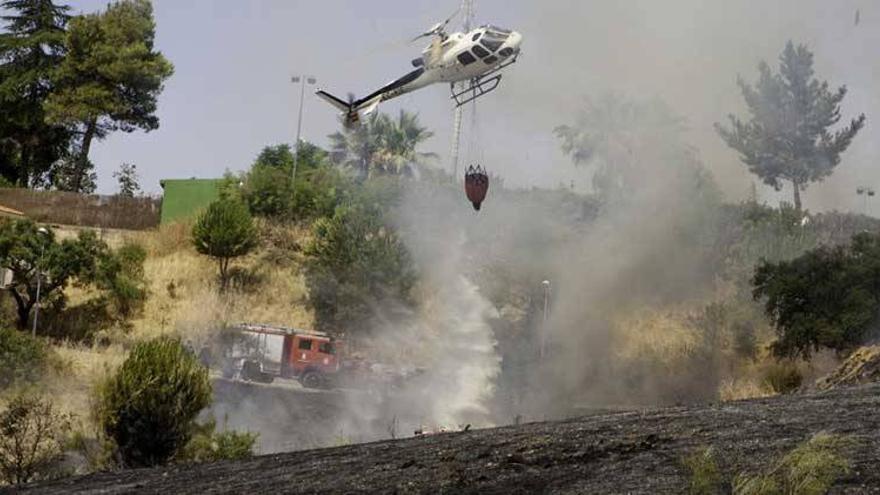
(185, 198)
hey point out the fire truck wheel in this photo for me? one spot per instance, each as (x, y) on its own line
(311, 379)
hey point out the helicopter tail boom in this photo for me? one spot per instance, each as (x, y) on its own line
(351, 110)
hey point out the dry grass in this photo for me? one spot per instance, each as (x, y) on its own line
(669, 338)
(79, 369)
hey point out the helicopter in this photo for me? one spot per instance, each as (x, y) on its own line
(476, 57)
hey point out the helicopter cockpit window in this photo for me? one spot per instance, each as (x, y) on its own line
(493, 40)
(498, 30)
(490, 60)
(476, 37)
(466, 58)
(480, 51)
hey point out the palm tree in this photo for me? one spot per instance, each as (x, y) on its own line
(382, 145)
(614, 134)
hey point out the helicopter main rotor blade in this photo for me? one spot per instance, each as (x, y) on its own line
(437, 28)
(449, 19)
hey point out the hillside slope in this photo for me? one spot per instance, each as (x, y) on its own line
(630, 452)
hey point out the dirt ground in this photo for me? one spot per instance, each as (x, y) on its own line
(628, 452)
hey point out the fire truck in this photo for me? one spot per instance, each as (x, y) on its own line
(261, 353)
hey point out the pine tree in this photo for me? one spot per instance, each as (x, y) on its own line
(789, 136)
(110, 79)
(30, 49)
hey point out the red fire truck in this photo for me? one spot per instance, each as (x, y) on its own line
(262, 353)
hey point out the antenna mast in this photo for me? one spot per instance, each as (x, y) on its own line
(467, 8)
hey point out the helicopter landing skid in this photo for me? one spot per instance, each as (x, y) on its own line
(479, 86)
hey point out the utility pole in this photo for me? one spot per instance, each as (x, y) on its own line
(40, 232)
(301, 80)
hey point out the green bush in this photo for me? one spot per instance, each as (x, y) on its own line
(148, 407)
(31, 438)
(208, 445)
(22, 358)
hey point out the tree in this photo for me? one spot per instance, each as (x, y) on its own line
(149, 406)
(381, 145)
(28, 252)
(789, 136)
(828, 297)
(32, 433)
(110, 79)
(620, 137)
(269, 192)
(30, 49)
(127, 177)
(356, 265)
(225, 231)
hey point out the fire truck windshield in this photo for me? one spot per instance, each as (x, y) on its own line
(327, 348)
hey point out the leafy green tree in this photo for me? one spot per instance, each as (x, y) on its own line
(26, 252)
(225, 231)
(149, 406)
(127, 177)
(269, 192)
(357, 264)
(30, 49)
(32, 434)
(789, 135)
(382, 145)
(827, 297)
(109, 80)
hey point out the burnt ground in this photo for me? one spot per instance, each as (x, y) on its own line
(628, 452)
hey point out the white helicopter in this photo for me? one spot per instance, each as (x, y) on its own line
(475, 57)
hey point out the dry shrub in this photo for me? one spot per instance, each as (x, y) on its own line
(783, 377)
(32, 432)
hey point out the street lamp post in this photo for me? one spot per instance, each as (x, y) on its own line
(546, 285)
(302, 80)
(42, 231)
(865, 192)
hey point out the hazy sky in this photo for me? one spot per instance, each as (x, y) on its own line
(231, 92)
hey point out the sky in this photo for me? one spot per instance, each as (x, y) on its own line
(231, 93)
